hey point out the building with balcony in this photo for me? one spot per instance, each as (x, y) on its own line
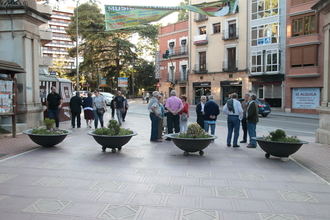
(173, 62)
(218, 55)
(304, 52)
(266, 54)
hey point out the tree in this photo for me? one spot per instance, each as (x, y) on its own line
(183, 14)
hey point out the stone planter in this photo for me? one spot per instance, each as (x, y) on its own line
(113, 142)
(278, 149)
(46, 140)
(191, 145)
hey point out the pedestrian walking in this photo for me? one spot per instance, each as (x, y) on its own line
(174, 106)
(88, 109)
(162, 116)
(211, 112)
(99, 107)
(119, 106)
(233, 110)
(112, 106)
(245, 104)
(147, 97)
(125, 108)
(252, 117)
(75, 108)
(184, 115)
(54, 104)
(200, 111)
(154, 114)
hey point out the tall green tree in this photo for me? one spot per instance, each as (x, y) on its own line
(183, 14)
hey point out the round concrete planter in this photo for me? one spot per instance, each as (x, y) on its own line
(113, 142)
(278, 149)
(46, 140)
(191, 145)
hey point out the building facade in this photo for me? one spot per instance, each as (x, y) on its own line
(304, 52)
(323, 133)
(173, 68)
(266, 53)
(218, 55)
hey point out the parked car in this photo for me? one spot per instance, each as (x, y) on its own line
(264, 107)
(107, 96)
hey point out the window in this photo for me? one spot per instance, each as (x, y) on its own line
(231, 54)
(232, 29)
(264, 8)
(257, 62)
(202, 61)
(260, 93)
(171, 47)
(272, 58)
(304, 25)
(200, 17)
(184, 72)
(202, 30)
(216, 28)
(304, 56)
(265, 34)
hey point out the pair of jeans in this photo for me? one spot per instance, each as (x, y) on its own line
(75, 115)
(173, 122)
(245, 130)
(119, 113)
(233, 124)
(252, 133)
(97, 117)
(53, 114)
(154, 126)
(208, 124)
(183, 126)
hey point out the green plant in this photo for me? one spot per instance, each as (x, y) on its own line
(194, 131)
(280, 136)
(113, 129)
(44, 131)
(49, 123)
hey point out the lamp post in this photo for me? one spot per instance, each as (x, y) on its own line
(77, 45)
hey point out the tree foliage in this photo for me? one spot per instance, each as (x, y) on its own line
(183, 14)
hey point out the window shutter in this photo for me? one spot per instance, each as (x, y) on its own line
(296, 56)
(310, 55)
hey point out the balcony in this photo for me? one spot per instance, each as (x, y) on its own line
(230, 34)
(200, 40)
(46, 36)
(179, 51)
(230, 67)
(200, 69)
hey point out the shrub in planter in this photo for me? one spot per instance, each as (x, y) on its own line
(113, 136)
(194, 140)
(47, 136)
(278, 144)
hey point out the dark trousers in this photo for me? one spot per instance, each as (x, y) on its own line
(75, 115)
(112, 112)
(233, 124)
(173, 121)
(245, 129)
(154, 126)
(97, 117)
(124, 114)
(53, 114)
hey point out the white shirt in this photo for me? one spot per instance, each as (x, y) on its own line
(202, 106)
(237, 107)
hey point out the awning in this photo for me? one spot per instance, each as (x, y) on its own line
(10, 67)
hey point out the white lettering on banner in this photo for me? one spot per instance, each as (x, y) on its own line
(305, 98)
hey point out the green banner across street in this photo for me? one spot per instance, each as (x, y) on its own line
(121, 17)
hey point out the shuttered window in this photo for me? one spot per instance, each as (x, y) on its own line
(304, 56)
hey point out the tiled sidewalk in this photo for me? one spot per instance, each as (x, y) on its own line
(155, 181)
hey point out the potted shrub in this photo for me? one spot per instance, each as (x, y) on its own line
(194, 140)
(113, 136)
(278, 144)
(47, 136)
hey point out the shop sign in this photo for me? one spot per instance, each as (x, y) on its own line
(6, 96)
(305, 98)
(201, 84)
(122, 82)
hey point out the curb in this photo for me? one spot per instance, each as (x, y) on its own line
(292, 115)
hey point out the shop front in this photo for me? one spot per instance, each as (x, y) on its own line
(201, 89)
(305, 99)
(229, 87)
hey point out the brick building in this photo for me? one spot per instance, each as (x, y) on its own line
(304, 52)
(173, 70)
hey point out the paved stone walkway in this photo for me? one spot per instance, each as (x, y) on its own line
(154, 181)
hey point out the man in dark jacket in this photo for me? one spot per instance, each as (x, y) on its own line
(54, 104)
(211, 111)
(200, 111)
(245, 104)
(75, 107)
(252, 118)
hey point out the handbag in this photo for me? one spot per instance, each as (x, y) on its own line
(184, 117)
(100, 111)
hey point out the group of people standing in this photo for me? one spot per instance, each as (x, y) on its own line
(94, 108)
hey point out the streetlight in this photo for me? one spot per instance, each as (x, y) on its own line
(77, 46)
